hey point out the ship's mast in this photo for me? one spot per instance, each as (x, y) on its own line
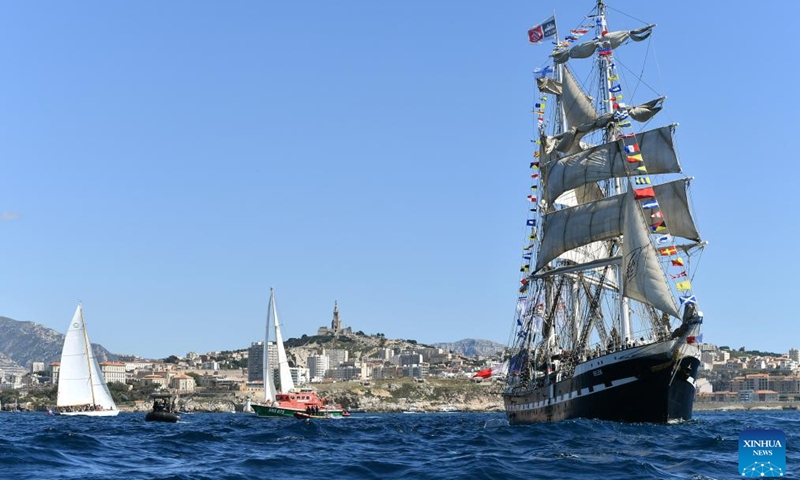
(614, 186)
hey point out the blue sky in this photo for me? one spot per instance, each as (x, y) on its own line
(167, 162)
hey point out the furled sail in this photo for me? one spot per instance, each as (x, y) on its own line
(565, 142)
(610, 161)
(570, 228)
(578, 106)
(549, 85)
(614, 40)
(643, 279)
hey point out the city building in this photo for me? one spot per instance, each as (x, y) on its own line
(407, 359)
(159, 380)
(113, 371)
(386, 354)
(55, 367)
(318, 366)
(794, 354)
(255, 360)
(416, 371)
(346, 371)
(182, 383)
(299, 375)
(336, 357)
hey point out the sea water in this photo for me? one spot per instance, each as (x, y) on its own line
(379, 446)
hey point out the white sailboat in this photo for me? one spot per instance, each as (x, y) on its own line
(284, 374)
(82, 389)
(284, 400)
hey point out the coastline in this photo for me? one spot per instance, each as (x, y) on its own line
(744, 406)
(406, 395)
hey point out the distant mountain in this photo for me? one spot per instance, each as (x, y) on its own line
(471, 347)
(24, 342)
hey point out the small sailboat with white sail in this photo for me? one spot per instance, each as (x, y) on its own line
(82, 389)
(284, 400)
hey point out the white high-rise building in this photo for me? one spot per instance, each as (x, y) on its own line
(318, 365)
(336, 357)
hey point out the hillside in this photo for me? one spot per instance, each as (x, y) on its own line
(400, 394)
(359, 346)
(25, 342)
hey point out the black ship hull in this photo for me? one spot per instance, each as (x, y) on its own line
(635, 385)
(161, 416)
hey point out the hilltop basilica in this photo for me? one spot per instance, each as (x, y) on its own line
(336, 324)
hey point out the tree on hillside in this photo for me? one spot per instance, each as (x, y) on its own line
(196, 377)
(125, 393)
(9, 396)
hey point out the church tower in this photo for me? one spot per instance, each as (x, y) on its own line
(336, 324)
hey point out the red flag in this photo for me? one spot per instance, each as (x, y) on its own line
(678, 262)
(642, 193)
(499, 369)
(544, 30)
(666, 252)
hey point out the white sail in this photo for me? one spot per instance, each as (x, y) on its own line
(570, 228)
(643, 279)
(269, 388)
(609, 161)
(578, 107)
(81, 385)
(284, 375)
(569, 140)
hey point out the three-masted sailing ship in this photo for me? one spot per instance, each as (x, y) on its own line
(607, 324)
